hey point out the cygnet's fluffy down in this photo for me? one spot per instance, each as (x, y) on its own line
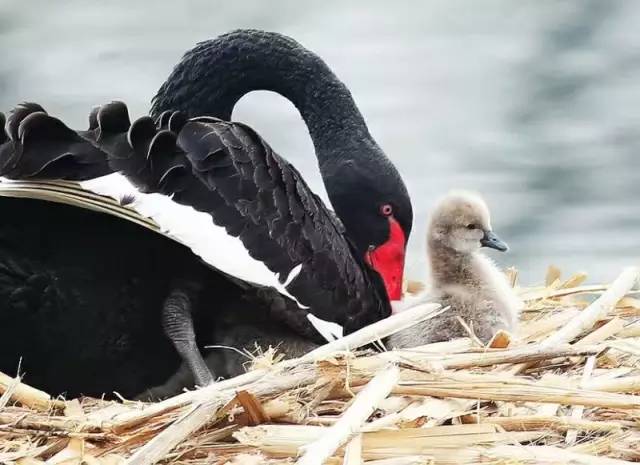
(462, 277)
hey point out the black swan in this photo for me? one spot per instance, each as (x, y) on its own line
(85, 296)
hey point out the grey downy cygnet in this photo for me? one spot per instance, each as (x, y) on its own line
(462, 277)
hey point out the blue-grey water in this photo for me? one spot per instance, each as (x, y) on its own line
(535, 104)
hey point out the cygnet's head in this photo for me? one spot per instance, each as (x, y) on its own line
(461, 222)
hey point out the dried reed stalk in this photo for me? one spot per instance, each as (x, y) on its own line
(285, 441)
(351, 421)
(49, 423)
(578, 410)
(353, 452)
(540, 422)
(547, 293)
(407, 460)
(625, 384)
(547, 455)
(27, 395)
(377, 331)
(489, 357)
(604, 332)
(496, 391)
(205, 411)
(589, 316)
(531, 331)
(598, 309)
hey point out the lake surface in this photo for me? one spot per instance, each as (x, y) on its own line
(535, 104)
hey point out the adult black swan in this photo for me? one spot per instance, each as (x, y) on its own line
(93, 288)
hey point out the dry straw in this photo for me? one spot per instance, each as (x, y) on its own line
(563, 390)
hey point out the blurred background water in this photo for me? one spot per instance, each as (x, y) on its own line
(535, 104)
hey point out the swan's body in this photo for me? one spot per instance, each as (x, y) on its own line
(76, 308)
(343, 267)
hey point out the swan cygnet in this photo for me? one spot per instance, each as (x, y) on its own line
(463, 278)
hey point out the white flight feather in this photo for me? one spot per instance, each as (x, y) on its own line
(329, 330)
(194, 229)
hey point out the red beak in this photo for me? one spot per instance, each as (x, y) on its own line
(388, 260)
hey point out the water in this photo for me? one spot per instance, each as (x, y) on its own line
(535, 104)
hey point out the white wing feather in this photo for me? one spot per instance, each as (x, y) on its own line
(194, 229)
(187, 226)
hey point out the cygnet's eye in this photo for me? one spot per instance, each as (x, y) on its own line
(386, 210)
(472, 226)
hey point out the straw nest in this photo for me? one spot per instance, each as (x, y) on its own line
(561, 391)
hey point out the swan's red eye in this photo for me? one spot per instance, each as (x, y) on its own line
(386, 210)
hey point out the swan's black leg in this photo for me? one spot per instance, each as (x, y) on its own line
(178, 325)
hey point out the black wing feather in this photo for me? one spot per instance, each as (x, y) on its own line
(37, 146)
(332, 282)
(222, 168)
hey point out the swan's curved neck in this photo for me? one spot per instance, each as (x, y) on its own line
(213, 76)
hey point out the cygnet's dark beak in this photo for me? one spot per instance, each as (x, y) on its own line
(490, 239)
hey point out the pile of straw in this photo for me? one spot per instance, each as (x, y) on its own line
(561, 391)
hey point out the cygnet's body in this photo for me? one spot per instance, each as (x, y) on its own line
(462, 278)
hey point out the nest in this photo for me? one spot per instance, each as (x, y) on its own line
(561, 391)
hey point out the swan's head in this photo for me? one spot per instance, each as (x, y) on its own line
(372, 202)
(461, 222)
